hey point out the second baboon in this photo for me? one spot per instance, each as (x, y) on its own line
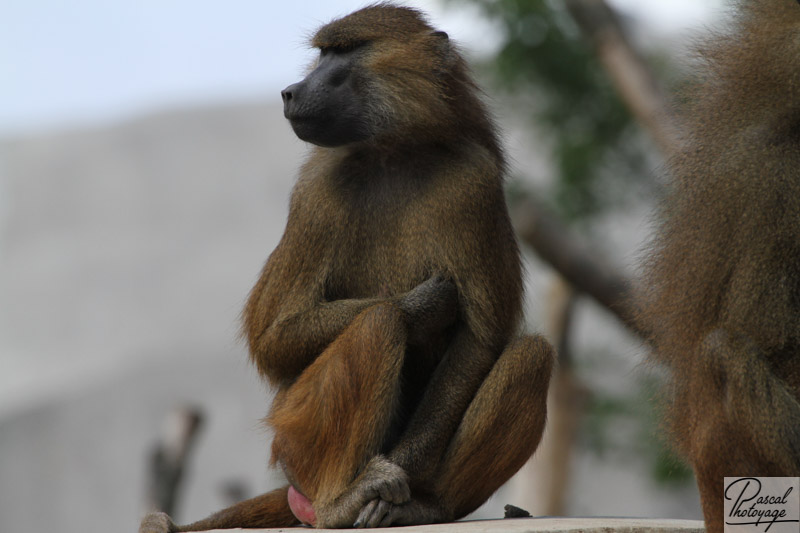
(722, 288)
(387, 317)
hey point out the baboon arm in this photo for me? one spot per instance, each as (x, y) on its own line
(306, 324)
(457, 378)
(288, 322)
(294, 339)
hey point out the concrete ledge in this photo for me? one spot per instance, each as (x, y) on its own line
(533, 525)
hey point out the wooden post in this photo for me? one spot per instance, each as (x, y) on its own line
(168, 458)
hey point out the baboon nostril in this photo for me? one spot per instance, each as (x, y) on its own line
(286, 95)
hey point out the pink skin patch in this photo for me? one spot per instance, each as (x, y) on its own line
(301, 507)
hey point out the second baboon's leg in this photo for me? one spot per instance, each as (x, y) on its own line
(333, 420)
(737, 418)
(499, 432)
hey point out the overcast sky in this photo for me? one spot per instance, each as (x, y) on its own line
(83, 61)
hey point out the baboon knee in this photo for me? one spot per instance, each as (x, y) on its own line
(532, 356)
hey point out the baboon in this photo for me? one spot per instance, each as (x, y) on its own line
(722, 286)
(387, 316)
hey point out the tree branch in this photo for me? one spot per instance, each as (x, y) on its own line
(586, 270)
(630, 75)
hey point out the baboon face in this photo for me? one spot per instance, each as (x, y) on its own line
(326, 108)
(385, 78)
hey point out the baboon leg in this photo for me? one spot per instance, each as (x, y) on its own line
(499, 432)
(328, 425)
(501, 428)
(333, 420)
(711, 456)
(735, 396)
(268, 510)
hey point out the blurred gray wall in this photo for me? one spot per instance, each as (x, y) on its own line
(127, 252)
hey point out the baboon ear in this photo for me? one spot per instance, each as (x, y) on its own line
(443, 47)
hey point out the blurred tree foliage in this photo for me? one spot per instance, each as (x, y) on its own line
(619, 426)
(551, 70)
(545, 61)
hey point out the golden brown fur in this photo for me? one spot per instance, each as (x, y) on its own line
(722, 297)
(386, 317)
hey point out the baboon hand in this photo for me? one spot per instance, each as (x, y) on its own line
(430, 307)
(380, 480)
(376, 513)
(157, 522)
(382, 484)
(437, 289)
(385, 480)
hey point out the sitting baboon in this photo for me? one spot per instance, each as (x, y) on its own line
(387, 316)
(722, 286)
